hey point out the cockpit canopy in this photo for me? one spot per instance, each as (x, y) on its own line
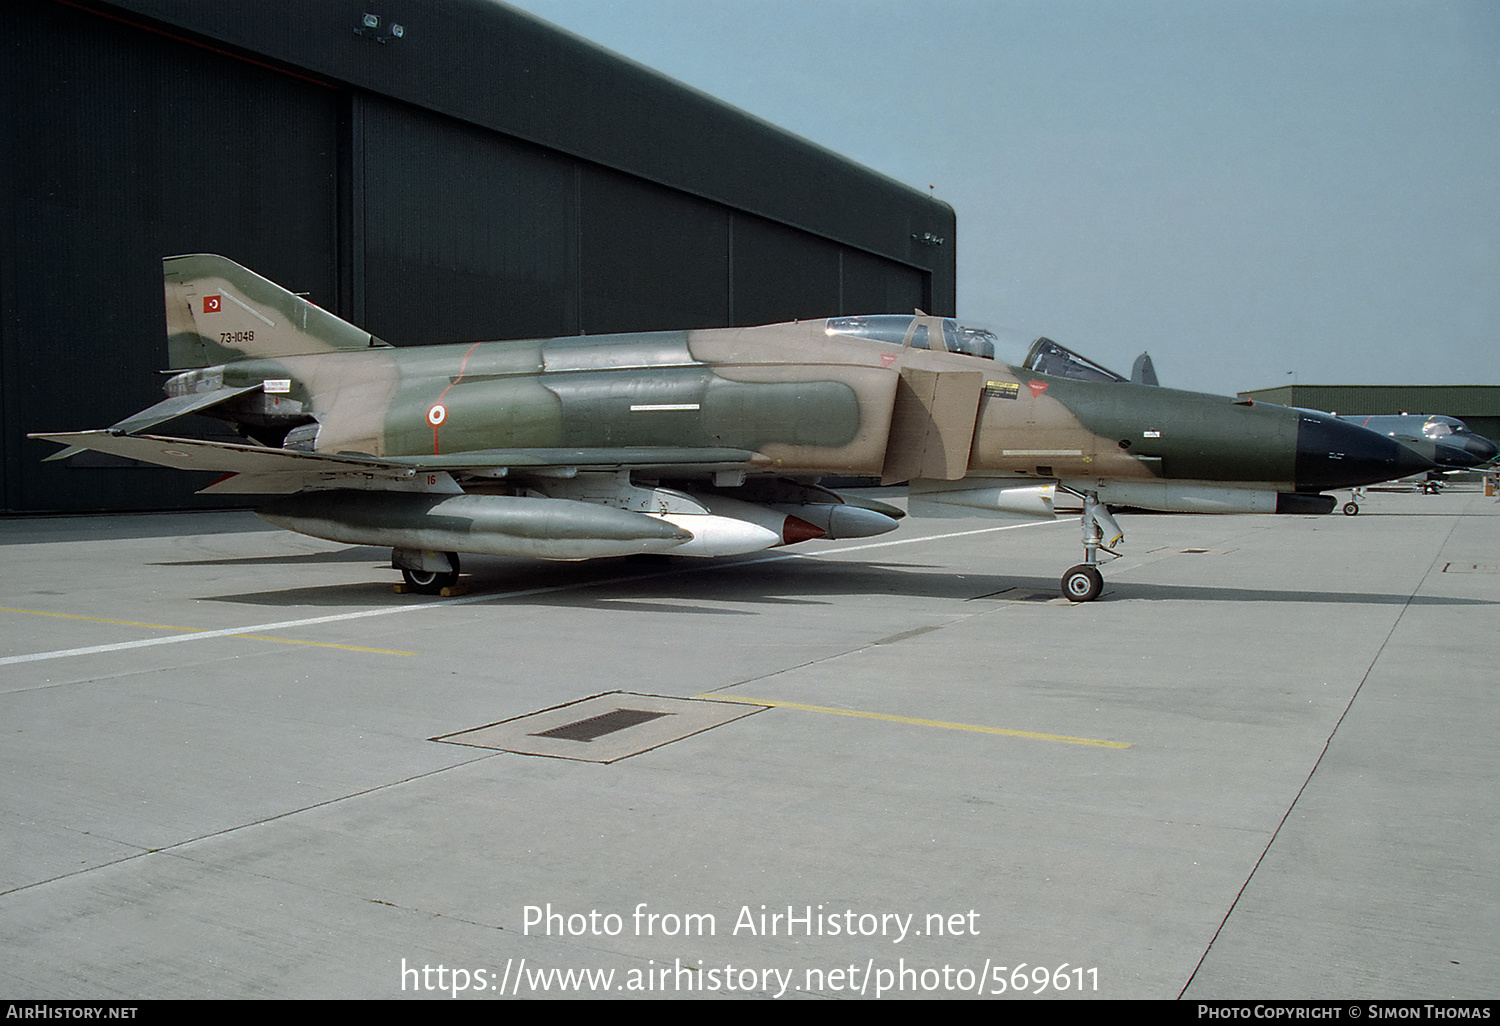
(941, 333)
(1047, 357)
(1041, 355)
(1438, 426)
(1411, 425)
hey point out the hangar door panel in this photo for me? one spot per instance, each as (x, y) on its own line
(129, 146)
(872, 284)
(782, 274)
(467, 234)
(650, 258)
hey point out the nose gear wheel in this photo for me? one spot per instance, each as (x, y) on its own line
(1082, 583)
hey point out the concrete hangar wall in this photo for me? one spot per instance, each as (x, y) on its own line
(483, 175)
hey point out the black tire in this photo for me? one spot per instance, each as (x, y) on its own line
(432, 582)
(1082, 583)
(1351, 509)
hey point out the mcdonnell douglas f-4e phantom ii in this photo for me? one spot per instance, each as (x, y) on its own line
(705, 443)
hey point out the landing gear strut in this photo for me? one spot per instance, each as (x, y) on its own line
(426, 573)
(1084, 582)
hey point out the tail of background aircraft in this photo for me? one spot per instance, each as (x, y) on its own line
(219, 312)
(1144, 371)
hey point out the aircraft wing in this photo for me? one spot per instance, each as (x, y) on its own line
(196, 454)
(282, 470)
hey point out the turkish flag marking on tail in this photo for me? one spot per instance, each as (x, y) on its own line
(210, 304)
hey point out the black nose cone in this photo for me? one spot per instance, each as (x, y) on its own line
(1479, 451)
(1332, 453)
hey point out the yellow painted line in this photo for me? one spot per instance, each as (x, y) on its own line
(325, 644)
(976, 728)
(97, 619)
(200, 630)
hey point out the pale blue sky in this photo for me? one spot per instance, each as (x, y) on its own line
(1243, 187)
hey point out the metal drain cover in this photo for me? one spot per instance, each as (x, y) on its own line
(605, 723)
(604, 728)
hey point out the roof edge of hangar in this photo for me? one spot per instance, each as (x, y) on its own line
(475, 59)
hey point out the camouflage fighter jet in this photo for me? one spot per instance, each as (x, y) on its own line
(706, 443)
(1447, 441)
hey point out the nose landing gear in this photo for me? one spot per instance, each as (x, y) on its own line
(1084, 582)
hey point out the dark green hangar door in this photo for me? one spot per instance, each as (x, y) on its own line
(462, 234)
(123, 144)
(425, 199)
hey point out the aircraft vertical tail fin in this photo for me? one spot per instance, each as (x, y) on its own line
(1144, 371)
(219, 312)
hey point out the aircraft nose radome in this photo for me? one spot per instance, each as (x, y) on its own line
(1332, 453)
(1482, 449)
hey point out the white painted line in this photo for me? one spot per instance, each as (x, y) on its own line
(282, 625)
(907, 541)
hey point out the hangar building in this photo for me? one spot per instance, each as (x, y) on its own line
(431, 170)
(1478, 406)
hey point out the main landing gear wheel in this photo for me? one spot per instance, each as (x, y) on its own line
(1351, 509)
(1082, 583)
(432, 582)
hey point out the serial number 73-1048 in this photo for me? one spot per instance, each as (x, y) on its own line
(232, 337)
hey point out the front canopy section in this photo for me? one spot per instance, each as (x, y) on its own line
(1438, 426)
(922, 332)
